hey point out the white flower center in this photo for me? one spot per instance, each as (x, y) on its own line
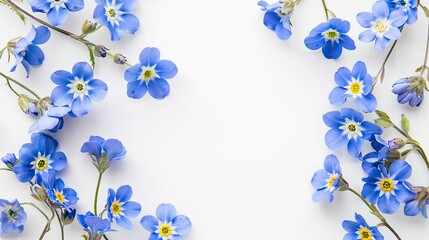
(148, 73)
(381, 26)
(352, 129)
(331, 34)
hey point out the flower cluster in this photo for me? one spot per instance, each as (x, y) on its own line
(39, 162)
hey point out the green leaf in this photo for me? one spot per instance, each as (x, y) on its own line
(91, 55)
(19, 13)
(382, 114)
(405, 123)
(383, 122)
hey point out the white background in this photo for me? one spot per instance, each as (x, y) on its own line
(236, 143)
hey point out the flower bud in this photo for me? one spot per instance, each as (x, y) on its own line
(68, 217)
(38, 192)
(28, 105)
(410, 90)
(100, 51)
(89, 27)
(10, 160)
(119, 59)
(45, 103)
(422, 195)
(396, 143)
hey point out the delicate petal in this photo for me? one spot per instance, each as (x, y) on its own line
(74, 5)
(149, 56)
(166, 69)
(83, 70)
(57, 15)
(136, 89)
(129, 23)
(338, 96)
(365, 19)
(81, 106)
(159, 88)
(166, 212)
(42, 35)
(271, 19)
(97, 89)
(149, 223)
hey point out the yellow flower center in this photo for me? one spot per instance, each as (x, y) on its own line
(355, 88)
(331, 34)
(148, 74)
(365, 234)
(115, 208)
(60, 197)
(79, 86)
(41, 163)
(331, 180)
(386, 185)
(165, 230)
(111, 12)
(381, 26)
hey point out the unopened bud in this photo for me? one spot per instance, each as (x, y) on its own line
(45, 103)
(28, 105)
(119, 59)
(10, 160)
(396, 143)
(68, 217)
(39, 193)
(89, 27)
(100, 51)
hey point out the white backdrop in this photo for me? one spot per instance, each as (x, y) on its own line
(236, 143)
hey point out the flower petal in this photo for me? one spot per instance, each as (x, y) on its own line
(166, 212)
(149, 56)
(136, 89)
(159, 88)
(166, 69)
(57, 15)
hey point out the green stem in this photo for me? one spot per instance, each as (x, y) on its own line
(375, 212)
(9, 79)
(5, 169)
(100, 174)
(37, 208)
(426, 54)
(385, 59)
(423, 154)
(49, 220)
(326, 10)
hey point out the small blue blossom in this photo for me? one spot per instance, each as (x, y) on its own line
(94, 226)
(410, 90)
(103, 152)
(10, 160)
(60, 195)
(167, 225)
(77, 89)
(119, 208)
(12, 217)
(373, 159)
(331, 37)
(418, 204)
(359, 229)
(388, 188)
(117, 17)
(27, 52)
(408, 6)
(357, 84)
(277, 18)
(149, 75)
(57, 10)
(383, 25)
(327, 180)
(348, 127)
(40, 157)
(28, 105)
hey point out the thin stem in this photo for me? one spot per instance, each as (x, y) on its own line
(385, 59)
(61, 225)
(426, 54)
(100, 174)
(423, 154)
(375, 211)
(48, 225)
(19, 84)
(5, 169)
(37, 208)
(326, 10)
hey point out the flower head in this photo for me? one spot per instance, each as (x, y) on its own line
(359, 229)
(410, 90)
(277, 17)
(167, 225)
(388, 188)
(94, 226)
(383, 25)
(327, 180)
(117, 17)
(119, 208)
(40, 157)
(12, 217)
(331, 37)
(77, 89)
(57, 10)
(407, 6)
(28, 105)
(60, 195)
(348, 127)
(26, 50)
(356, 84)
(149, 75)
(10, 160)
(103, 152)
(418, 204)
